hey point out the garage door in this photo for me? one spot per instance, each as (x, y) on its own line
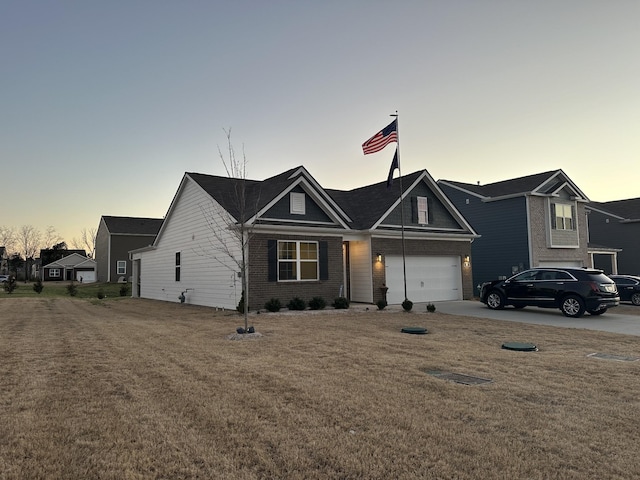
(429, 278)
(86, 276)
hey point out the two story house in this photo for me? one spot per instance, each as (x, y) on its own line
(532, 221)
(115, 237)
(617, 224)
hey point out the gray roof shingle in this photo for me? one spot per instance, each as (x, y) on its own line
(132, 225)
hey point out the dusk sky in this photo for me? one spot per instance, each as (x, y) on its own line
(105, 104)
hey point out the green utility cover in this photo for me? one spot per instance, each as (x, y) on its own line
(414, 330)
(520, 346)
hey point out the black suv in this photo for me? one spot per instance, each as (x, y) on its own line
(572, 290)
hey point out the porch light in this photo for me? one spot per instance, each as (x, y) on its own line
(379, 257)
(467, 261)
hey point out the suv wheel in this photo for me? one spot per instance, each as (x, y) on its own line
(495, 300)
(635, 298)
(572, 306)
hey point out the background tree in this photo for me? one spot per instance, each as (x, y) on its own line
(8, 238)
(29, 239)
(86, 242)
(51, 238)
(15, 263)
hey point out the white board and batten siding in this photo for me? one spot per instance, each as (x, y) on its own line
(207, 275)
(429, 278)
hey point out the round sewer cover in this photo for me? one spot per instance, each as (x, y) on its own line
(520, 346)
(414, 330)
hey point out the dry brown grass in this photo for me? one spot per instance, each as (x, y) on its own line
(142, 389)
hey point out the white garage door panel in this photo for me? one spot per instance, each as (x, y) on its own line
(429, 279)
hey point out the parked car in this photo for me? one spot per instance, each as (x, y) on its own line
(628, 287)
(572, 290)
(4, 278)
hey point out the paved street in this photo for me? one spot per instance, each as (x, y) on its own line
(611, 321)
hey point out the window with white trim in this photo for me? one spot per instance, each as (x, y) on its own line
(297, 261)
(564, 216)
(121, 267)
(423, 210)
(297, 203)
(54, 272)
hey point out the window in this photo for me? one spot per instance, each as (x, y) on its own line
(423, 210)
(297, 203)
(54, 272)
(297, 261)
(177, 266)
(563, 215)
(121, 267)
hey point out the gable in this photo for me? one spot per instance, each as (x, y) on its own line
(440, 216)
(298, 206)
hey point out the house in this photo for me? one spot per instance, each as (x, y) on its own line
(307, 241)
(4, 261)
(50, 255)
(115, 237)
(73, 267)
(616, 223)
(531, 221)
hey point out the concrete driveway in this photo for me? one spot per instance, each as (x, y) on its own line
(611, 321)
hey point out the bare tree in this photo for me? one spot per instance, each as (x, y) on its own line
(232, 232)
(87, 241)
(28, 238)
(8, 238)
(51, 237)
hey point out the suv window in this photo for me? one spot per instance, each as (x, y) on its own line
(598, 277)
(525, 276)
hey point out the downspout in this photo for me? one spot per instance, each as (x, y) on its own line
(529, 242)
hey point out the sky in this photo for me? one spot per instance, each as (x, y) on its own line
(104, 105)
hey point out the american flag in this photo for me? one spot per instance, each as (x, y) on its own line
(381, 139)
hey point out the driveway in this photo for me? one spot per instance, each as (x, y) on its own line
(624, 319)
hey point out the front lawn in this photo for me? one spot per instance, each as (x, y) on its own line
(59, 289)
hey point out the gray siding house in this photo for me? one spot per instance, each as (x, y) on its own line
(616, 224)
(532, 221)
(116, 236)
(307, 241)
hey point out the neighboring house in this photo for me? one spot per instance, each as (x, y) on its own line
(307, 241)
(73, 267)
(4, 261)
(50, 255)
(115, 237)
(617, 224)
(532, 221)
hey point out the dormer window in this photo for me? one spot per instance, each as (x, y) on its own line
(297, 203)
(423, 210)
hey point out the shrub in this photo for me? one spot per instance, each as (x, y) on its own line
(341, 302)
(407, 305)
(317, 303)
(37, 286)
(100, 294)
(273, 305)
(124, 290)
(72, 289)
(381, 304)
(10, 285)
(297, 304)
